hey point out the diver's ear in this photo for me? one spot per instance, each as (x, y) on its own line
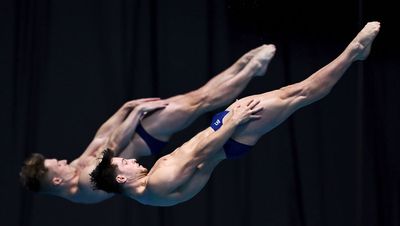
(57, 180)
(120, 179)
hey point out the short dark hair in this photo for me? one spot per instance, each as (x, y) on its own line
(32, 172)
(103, 176)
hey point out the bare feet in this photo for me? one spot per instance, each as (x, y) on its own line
(361, 44)
(244, 60)
(263, 57)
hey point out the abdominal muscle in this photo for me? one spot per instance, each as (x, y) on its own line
(175, 170)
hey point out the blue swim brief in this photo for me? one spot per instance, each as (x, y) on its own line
(232, 148)
(154, 144)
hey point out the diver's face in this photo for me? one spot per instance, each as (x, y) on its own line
(128, 168)
(59, 168)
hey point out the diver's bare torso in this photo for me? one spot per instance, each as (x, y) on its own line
(86, 164)
(84, 192)
(170, 180)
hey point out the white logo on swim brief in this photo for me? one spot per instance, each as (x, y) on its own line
(217, 122)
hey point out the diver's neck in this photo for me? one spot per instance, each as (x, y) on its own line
(136, 188)
(70, 188)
